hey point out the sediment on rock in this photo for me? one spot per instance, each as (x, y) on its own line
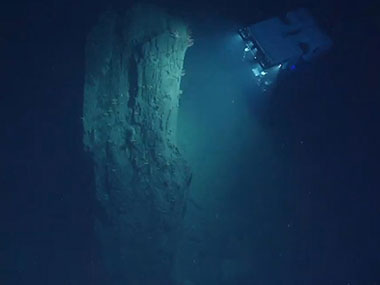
(134, 64)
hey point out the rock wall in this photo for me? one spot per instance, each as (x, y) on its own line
(134, 64)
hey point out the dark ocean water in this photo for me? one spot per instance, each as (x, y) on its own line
(285, 187)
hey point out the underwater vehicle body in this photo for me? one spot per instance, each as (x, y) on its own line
(279, 44)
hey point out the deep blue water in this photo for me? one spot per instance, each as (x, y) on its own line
(309, 211)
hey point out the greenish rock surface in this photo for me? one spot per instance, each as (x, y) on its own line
(134, 65)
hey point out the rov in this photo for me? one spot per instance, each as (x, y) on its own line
(276, 44)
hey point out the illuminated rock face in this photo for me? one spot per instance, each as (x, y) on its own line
(134, 65)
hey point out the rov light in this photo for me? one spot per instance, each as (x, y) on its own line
(246, 49)
(263, 73)
(256, 71)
